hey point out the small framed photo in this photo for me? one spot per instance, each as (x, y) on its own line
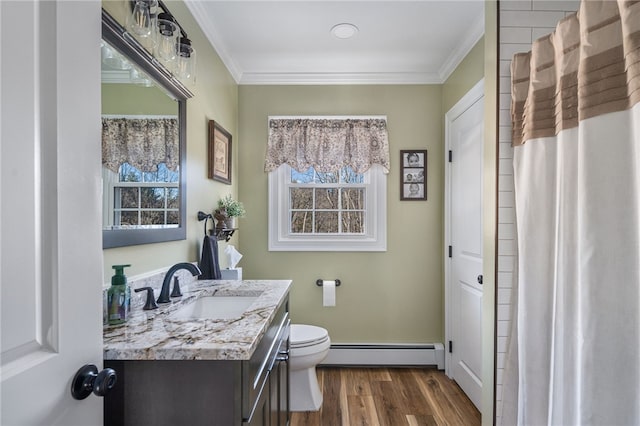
(219, 153)
(413, 175)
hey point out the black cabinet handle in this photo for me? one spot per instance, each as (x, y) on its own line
(283, 356)
(480, 279)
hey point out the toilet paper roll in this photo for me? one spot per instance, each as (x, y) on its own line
(328, 293)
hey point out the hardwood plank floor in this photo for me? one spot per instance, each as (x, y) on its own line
(388, 397)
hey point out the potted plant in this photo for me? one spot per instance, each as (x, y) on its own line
(232, 208)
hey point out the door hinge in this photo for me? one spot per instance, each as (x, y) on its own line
(450, 346)
(450, 156)
(450, 251)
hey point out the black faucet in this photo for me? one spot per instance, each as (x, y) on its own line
(166, 283)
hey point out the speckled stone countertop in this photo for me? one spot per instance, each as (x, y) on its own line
(155, 335)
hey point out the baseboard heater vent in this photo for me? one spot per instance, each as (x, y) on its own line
(386, 355)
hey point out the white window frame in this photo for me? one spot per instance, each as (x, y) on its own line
(374, 238)
(139, 209)
(108, 198)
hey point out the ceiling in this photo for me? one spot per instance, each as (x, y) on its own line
(289, 42)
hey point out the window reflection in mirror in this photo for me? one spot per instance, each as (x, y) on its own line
(140, 167)
(143, 144)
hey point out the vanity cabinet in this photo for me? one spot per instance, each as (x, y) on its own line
(206, 392)
(272, 403)
(280, 387)
(269, 380)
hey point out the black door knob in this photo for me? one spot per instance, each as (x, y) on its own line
(88, 380)
(480, 279)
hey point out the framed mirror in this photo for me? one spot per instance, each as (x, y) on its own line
(144, 109)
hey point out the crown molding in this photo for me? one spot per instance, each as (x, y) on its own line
(115, 76)
(207, 27)
(256, 78)
(475, 33)
(242, 77)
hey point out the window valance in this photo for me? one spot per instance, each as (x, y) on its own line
(327, 144)
(142, 142)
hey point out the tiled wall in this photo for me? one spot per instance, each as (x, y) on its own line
(521, 22)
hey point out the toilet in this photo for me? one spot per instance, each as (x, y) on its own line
(309, 347)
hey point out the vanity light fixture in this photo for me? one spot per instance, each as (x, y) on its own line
(344, 30)
(153, 25)
(112, 59)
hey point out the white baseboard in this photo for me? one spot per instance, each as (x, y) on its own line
(386, 355)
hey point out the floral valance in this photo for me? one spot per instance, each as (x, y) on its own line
(142, 142)
(327, 144)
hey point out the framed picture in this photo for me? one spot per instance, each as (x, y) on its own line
(219, 153)
(413, 178)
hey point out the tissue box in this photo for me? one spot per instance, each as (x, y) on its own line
(232, 274)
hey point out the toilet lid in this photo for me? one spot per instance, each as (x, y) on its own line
(302, 334)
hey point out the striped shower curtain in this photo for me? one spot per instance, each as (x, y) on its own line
(574, 356)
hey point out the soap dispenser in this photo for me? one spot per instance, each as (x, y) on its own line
(119, 296)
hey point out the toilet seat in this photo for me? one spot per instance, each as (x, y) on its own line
(303, 335)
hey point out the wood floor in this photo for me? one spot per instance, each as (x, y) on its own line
(388, 397)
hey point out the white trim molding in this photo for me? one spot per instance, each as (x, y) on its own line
(475, 33)
(209, 29)
(375, 238)
(255, 78)
(258, 77)
(430, 354)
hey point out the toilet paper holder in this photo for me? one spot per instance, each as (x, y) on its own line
(319, 283)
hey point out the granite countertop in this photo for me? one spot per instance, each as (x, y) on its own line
(154, 335)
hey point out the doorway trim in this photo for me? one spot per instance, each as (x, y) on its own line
(468, 100)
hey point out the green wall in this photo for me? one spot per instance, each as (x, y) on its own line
(393, 296)
(215, 98)
(129, 99)
(465, 76)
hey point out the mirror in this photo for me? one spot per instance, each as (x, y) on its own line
(143, 144)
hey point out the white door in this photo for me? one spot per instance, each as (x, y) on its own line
(465, 128)
(50, 232)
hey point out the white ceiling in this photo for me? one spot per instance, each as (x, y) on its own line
(289, 42)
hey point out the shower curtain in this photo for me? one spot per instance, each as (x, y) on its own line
(575, 356)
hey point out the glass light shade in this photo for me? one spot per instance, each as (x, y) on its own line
(141, 20)
(185, 67)
(166, 41)
(113, 59)
(140, 78)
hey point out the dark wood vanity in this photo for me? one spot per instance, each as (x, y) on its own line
(206, 392)
(202, 371)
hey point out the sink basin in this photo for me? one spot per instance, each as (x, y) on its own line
(215, 307)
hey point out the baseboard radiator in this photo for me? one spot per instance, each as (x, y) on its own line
(386, 355)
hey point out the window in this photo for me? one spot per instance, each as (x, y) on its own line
(142, 199)
(314, 210)
(311, 211)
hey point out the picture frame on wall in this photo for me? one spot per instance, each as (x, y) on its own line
(219, 153)
(413, 174)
